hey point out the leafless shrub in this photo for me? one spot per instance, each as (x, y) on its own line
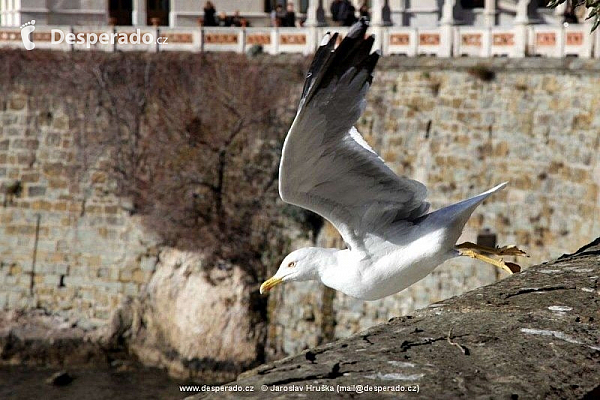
(193, 141)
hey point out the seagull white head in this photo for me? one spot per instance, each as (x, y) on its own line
(300, 265)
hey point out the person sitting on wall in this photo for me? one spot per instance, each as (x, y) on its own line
(335, 11)
(280, 14)
(273, 17)
(224, 20)
(209, 14)
(569, 17)
(347, 13)
(290, 16)
(364, 11)
(276, 11)
(237, 20)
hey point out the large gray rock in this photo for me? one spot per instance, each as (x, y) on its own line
(532, 335)
(194, 323)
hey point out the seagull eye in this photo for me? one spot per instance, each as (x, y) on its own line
(292, 264)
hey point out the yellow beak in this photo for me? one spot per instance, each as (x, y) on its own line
(269, 284)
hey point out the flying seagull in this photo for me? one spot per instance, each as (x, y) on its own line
(327, 167)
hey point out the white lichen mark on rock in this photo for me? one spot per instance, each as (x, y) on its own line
(560, 309)
(395, 377)
(558, 335)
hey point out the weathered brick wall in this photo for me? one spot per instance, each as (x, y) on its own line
(535, 124)
(88, 252)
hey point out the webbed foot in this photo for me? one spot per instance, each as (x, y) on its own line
(473, 250)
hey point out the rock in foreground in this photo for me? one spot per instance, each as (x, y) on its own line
(532, 335)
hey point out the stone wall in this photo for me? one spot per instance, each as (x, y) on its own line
(462, 126)
(66, 245)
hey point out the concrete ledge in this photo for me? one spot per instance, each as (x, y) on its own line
(541, 65)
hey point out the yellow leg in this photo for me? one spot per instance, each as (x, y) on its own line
(509, 267)
(498, 251)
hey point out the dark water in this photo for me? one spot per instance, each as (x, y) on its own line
(25, 383)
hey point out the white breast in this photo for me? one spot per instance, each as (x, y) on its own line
(389, 272)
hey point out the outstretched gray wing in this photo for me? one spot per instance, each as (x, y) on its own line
(326, 165)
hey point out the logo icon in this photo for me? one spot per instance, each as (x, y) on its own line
(26, 30)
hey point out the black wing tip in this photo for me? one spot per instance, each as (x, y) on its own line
(328, 40)
(330, 62)
(334, 38)
(371, 60)
(369, 41)
(369, 63)
(359, 28)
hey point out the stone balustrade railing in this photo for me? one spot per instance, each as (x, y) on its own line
(443, 41)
